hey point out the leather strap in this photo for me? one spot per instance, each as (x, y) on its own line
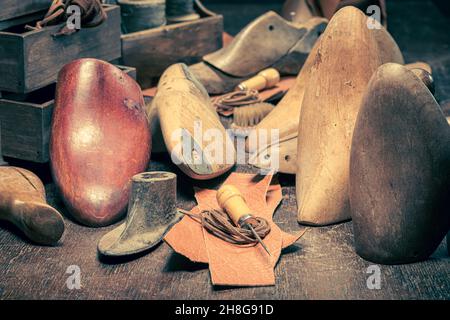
(234, 99)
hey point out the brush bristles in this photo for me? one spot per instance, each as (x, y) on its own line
(251, 115)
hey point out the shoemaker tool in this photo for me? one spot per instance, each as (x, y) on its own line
(231, 200)
(267, 78)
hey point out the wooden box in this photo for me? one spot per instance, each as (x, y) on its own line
(25, 124)
(152, 51)
(15, 8)
(30, 60)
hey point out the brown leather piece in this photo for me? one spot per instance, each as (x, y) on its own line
(186, 238)
(254, 264)
(226, 39)
(150, 92)
(279, 90)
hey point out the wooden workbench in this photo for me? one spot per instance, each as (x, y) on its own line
(322, 265)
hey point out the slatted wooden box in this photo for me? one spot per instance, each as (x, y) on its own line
(30, 60)
(15, 8)
(152, 51)
(25, 124)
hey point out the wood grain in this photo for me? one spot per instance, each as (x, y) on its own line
(152, 51)
(13, 8)
(322, 265)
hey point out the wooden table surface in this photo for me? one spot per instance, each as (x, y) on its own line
(322, 265)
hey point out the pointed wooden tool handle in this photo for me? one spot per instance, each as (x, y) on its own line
(232, 201)
(267, 78)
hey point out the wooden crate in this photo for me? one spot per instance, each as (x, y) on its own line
(30, 60)
(152, 51)
(15, 8)
(25, 124)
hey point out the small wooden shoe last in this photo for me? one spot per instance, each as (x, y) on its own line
(268, 41)
(183, 104)
(22, 202)
(399, 170)
(152, 210)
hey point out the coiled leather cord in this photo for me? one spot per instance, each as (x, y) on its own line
(236, 99)
(219, 224)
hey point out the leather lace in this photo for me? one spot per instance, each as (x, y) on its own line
(236, 99)
(219, 224)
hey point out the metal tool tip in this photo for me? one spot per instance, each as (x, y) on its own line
(259, 239)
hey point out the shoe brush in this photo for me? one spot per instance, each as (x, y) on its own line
(249, 116)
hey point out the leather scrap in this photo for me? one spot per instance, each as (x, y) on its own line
(186, 238)
(230, 264)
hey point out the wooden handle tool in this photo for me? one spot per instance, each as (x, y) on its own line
(267, 78)
(231, 200)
